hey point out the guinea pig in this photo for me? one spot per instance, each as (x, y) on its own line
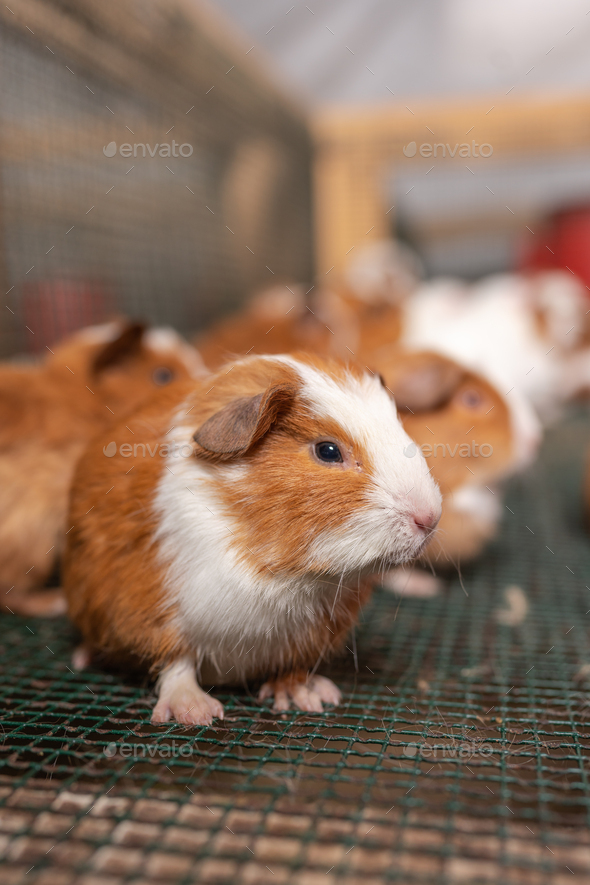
(472, 438)
(239, 548)
(275, 321)
(359, 325)
(384, 271)
(527, 334)
(336, 323)
(48, 412)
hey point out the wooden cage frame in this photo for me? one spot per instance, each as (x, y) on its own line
(355, 149)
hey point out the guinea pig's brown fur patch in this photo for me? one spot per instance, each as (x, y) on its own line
(48, 412)
(290, 474)
(111, 573)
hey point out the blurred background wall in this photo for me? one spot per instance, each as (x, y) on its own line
(459, 126)
(89, 227)
(515, 75)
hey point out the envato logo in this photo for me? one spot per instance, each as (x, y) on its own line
(465, 450)
(150, 751)
(462, 750)
(164, 150)
(145, 450)
(444, 150)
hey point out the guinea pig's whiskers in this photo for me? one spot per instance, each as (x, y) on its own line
(437, 532)
(333, 583)
(318, 662)
(337, 595)
(383, 567)
(458, 567)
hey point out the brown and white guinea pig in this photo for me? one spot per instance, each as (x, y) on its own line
(336, 323)
(471, 440)
(275, 321)
(384, 271)
(359, 326)
(365, 308)
(527, 333)
(241, 548)
(48, 412)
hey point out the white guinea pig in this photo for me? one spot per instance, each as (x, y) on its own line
(228, 529)
(526, 334)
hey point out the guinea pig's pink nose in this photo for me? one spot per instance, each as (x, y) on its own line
(426, 521)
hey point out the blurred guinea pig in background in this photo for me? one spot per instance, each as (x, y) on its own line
(276, 320)
(360, 312)
(529, 333)
(472, 438)
(350, 319)
(526, 333)
(48, 412)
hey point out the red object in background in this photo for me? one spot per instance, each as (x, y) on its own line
(53, 309)
(564, 242)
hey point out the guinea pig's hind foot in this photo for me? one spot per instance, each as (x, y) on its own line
(180, 697)
(299, 691)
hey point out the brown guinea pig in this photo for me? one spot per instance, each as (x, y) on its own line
(227, 529)
(465, 429)
(275, 321)
(336, 323)
(48, 412)
(359, 326)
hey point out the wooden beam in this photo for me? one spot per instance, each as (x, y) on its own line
(358, 149)
(536, 124)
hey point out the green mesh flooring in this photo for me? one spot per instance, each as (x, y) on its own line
(460, 752)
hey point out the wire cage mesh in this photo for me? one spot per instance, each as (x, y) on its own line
(147, 167)
(459, 753)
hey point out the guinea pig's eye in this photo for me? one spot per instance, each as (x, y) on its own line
(328, 452)
(162, 375)
(471, 399)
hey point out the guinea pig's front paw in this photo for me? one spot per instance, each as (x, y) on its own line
(182, 698)
(188, 708)
(299, 691)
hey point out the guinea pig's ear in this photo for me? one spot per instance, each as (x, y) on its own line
(127, 344)
(236, 427)
(424, 381)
